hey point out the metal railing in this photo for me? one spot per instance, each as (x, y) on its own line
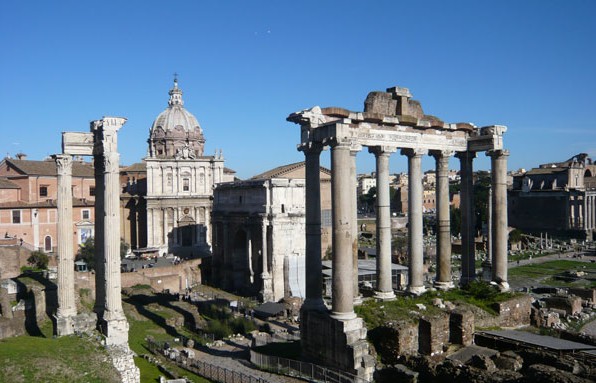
(204, 369)
(304, 370)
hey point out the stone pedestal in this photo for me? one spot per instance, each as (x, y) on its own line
(123, 360)
(336, 343)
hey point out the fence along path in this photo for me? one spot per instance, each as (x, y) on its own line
(224, 369)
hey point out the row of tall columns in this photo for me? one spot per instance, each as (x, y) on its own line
(415, 223)
(313, 265)
(384, 288)
(342, 287)
(500, 233)
(443, 277)
(468, 267)
(67, 309)
(590, 212)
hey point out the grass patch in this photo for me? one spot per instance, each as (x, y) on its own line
(65, 359)
(544, 273)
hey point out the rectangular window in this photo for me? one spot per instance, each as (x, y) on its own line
(16, 216)
(92, 191)
(185, 184)
(326, 218)
(86, 214)
(43, 191)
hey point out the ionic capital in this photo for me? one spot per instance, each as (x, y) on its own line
(414, 152)
(441, 154)
(310, 147)
(495, 154)
(63, 164)
(382, 150)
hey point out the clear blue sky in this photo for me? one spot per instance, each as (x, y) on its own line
(245, 65)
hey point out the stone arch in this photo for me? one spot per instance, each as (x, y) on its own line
(588, 173)
(240, 271)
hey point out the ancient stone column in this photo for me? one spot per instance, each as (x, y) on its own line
(384, 287)
(443, 277)
(499, 201)
(67, 308)
(100, 283)
(468, 268)
(354, 199)
(314, 267)
(115, 324)
(342, 263)
(415, 230)
(267, 288)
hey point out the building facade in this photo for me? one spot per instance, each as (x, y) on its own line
(558, 198)
(180, 182)
(258, 233)
(28, 202)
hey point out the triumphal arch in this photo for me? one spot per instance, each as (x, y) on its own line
(391, 121)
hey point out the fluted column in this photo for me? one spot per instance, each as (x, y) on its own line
(341, 285)
(468, 268)
(354, 201)
(499, 201)
(415, 230)
(66, 291)
(314, 267)
(443, 277)
(100, 284)
(384, 288)
(115, 325)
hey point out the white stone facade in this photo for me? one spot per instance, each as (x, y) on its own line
(180, 182)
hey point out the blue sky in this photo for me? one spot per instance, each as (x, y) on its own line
(245, 65)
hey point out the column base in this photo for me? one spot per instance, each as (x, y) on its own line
(64, 325)
(443, 286)
(384, 295)
(416, 290)
(503, 286)
(266, 294)
(115, 330)
(343, 316)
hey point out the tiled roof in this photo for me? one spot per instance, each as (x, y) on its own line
(545, 171)
(48, 168)
(6, 184)
(76, 202)
(136, 167)
(281, 171)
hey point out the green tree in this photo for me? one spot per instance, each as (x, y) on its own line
(38, 259)
(87, 251)
(515, 236)
(455, 216)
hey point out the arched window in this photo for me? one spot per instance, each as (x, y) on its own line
(47, 244)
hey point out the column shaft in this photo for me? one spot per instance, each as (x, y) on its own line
(384, 288)
(342, 288)
(443, 277)
(100, 283)
(415, 230)
(468, 250)
(354, 201)
(500, 233)
(314, 267)
(66, 294)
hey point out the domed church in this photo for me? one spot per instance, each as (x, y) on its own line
(180, 182)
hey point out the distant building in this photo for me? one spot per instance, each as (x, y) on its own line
(259, 225)
(180, 182)
(28, 194)
(558, 198)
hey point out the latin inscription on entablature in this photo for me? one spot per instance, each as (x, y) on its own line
(77, 143)
(409, 140)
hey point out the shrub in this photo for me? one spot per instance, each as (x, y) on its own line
(39, 260)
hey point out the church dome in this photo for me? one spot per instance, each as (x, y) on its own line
(176, 133)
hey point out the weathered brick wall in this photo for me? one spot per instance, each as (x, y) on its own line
(571, 305)
(433, 334)
(514, 312)
(461, 327)
(10, 261)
